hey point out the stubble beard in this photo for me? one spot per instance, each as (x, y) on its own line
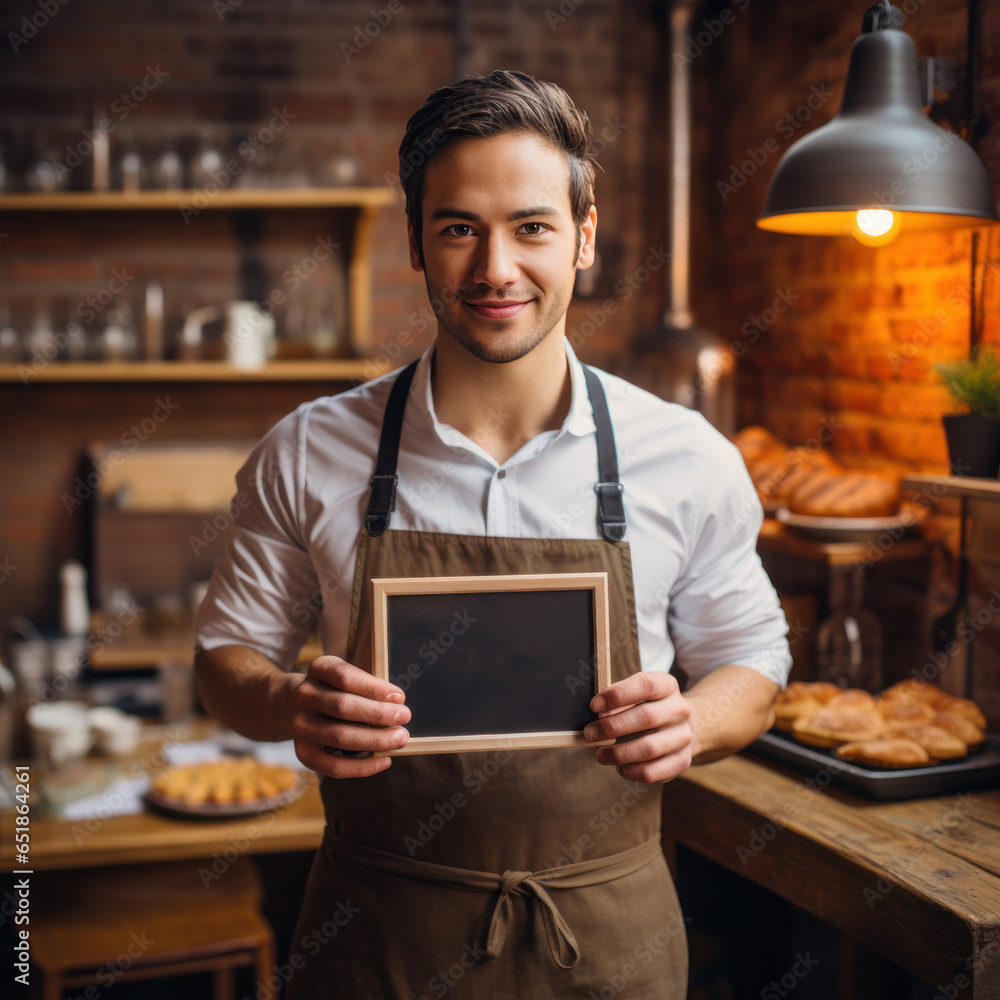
(501, 347)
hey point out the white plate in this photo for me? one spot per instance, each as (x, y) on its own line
(847, 529)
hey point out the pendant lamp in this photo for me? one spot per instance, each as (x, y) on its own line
(880, 166)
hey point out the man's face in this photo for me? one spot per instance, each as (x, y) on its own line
(500, 245)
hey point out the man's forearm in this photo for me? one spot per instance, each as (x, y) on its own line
(248, 692)
(730, 708)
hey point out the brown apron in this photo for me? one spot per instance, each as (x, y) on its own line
(504, 875)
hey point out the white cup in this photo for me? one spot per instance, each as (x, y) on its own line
(60, 732)
(116, 732)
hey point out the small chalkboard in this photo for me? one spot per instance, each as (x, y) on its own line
(493, 662)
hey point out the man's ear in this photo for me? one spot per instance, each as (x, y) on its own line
(415, 261)
(588, 240)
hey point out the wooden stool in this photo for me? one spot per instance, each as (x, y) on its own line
(97, 926)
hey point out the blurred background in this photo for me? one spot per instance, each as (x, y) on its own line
(164, 166)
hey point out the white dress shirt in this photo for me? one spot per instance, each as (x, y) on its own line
(702, 597)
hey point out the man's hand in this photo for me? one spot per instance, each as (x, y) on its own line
(663, 731)
(648, 712)
(342, 706)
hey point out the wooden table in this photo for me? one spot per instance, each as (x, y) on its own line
(149, 836)
(121, 840)
(917, 881)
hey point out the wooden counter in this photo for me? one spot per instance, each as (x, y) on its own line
(917, 881)
(121, 840)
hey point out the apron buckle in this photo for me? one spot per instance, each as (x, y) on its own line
(610, 510)
(383, 500)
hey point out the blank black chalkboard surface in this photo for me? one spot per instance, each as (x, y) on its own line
(494, 662)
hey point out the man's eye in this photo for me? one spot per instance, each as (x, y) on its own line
(458, 229)
(534, 228)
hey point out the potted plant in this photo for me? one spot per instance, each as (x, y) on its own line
(973, 437)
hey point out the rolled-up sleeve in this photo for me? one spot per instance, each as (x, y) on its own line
(262, 591)
(723, 608)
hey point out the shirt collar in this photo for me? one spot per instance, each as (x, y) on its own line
(579, 420)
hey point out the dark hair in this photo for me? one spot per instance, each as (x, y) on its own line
(482, 106)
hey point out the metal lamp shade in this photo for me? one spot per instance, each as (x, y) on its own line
(880, 151)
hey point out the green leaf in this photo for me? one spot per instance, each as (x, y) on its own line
(974, 383)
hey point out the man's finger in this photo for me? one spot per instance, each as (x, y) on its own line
(346, 736)
(645, 685)
(339, 704)
(649, 715)
(317, 759)
(339, 673)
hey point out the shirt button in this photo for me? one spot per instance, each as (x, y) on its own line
(502, 474)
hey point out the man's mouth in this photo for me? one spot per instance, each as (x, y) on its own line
(497, 310)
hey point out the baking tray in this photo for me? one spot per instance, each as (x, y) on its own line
(981, 769)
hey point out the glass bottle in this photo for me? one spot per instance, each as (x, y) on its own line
(849, 642)
(118, 341)
(10, 339)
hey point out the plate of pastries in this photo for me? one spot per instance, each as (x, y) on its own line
(809, 491)
(228, 786)
(913, 724)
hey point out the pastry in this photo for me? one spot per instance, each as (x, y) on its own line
(958, 726)
(830, 727)
(852, 698)
(886, 753)
(801, 698)
(753, 442)
(223, 782)
(914, 688)
(823, 691)
(820, 691)
(905, 711)
(850, 494)
(937, 742)
(960, 706)
(787, 712)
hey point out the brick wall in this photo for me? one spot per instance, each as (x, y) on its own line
(829, 330)
(228, 65)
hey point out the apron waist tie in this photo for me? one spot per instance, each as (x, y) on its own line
(562, 943)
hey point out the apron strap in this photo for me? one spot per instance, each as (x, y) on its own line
(382, 500)
(383, 495)
(610, 508)
(562, 943)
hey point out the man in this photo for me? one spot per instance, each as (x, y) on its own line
(515, 874)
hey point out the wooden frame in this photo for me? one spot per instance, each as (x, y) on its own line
(583, 678)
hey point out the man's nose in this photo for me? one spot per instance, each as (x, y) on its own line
(495, 263)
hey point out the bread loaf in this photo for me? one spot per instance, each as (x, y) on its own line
(850, 494)
(777, 475)
(754, 442)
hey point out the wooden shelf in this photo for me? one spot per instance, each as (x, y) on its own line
(166, 649)
(341, 370)
(159, 201)
(971, 487)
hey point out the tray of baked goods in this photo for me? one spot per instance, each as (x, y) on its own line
(812, 494)
(909, 741)
(229, 786)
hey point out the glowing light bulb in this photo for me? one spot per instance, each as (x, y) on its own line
(875, 221)
(874, 227)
